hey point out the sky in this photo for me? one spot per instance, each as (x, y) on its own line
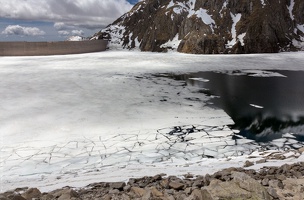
(56, 20)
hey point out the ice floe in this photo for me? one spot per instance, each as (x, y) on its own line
(254, 73)
(199, 79)
(256, 106)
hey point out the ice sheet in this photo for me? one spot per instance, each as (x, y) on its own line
(78, 119)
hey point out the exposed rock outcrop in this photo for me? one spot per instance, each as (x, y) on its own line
(210, 26)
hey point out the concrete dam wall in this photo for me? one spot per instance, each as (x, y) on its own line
(51, 48)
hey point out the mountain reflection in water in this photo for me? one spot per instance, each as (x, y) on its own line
(263, 108)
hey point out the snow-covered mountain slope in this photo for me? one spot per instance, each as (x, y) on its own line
(205, 26)
(75, 38)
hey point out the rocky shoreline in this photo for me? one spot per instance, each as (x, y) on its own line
(284, 182)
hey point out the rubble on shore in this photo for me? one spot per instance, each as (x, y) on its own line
(284, 182)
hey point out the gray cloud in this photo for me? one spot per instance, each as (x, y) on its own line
(77, 32)
(63, 33)
(61, 26)
(90, 14)
(22, 31)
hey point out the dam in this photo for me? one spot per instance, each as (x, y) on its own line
(51, 48)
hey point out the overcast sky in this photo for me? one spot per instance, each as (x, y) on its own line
(53, 20)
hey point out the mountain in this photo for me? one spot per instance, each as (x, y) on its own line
(210, 26)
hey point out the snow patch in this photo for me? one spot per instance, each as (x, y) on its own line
(241, 38)
(171, 4)
(75, 38)
(290, 8)
(137, 42)
(298, 44)
(263, 3)
(189, 7)
(172, 44)
(223, 7)
(235, 18)
(201, 13)
(301, 27)
(206, 18)
(117, 34)
(179, 7)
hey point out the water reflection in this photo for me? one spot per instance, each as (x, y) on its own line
(263, 108)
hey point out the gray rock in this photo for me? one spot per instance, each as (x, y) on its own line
(265, 182)
(198, 183)
(47, 197)
(176, 185)
(207, 179)
(280, 177)
(169, 191)
(224, 190)
(271, 171)
(65, 194)
(127, 188)
(188, 175)
(2, 197)
(180, 196)
(297, 174)
(248, 163)
(188, 190)
(165, 183)
(276, 184)
(117, 185)
(157, 177)
(107, 197)
(147, 195)
(17, 197)
(138, 191)
(249, 184)
(31, 193)
(272, 192)
(155, 192)
(168, 197)
(197, 194)
(301, 150)
(124, 197)
(261, 161)
(114, 191)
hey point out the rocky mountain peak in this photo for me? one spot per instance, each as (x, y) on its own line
(210, 26)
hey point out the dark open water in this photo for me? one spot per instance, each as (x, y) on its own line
(263, 108)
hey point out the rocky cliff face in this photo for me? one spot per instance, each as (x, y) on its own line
(210, 26)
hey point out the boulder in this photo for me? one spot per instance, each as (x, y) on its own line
(176, 185)
(31, 193)
(138, 191)
(118, 185)
(241, 186)
(64, 194)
